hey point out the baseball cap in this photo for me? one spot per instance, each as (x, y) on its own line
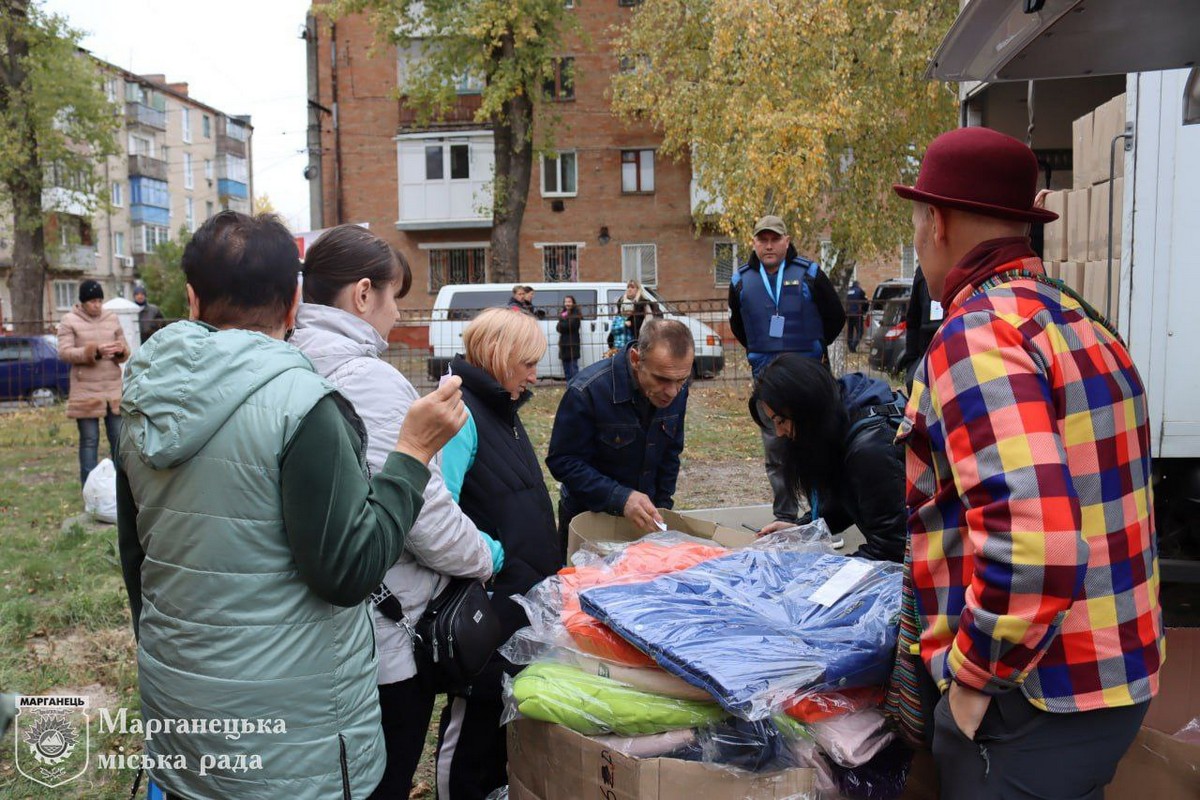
(770, 223)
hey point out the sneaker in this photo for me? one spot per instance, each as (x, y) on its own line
(838, 542)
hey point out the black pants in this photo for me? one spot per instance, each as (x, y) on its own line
(406, 708)
(472, 757)
(1023, 753)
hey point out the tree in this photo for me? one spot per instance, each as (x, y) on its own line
(810, 109)
(513, 46)
(54, 117)
(263, 205)
(166, 285)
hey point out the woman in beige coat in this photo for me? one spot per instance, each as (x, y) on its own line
(91, 340)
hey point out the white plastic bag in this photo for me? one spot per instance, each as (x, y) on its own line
(100, 492)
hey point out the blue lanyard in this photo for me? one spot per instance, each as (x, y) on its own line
(814, 503)
(778, 282)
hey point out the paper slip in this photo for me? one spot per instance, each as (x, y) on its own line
(662, 526)
(841, 582)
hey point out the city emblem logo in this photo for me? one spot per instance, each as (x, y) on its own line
(53, 739)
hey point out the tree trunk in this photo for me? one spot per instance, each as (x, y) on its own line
(28, 282)
(513, 134)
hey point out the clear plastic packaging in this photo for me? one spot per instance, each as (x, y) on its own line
(1189, 733)
(852, 740)
(757, 628)
(818, 706)
(884, 777)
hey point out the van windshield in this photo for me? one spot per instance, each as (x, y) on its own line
(547, 302)
(551, 301)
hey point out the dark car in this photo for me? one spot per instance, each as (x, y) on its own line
(892, 289)
(30, 370)
(887, 346)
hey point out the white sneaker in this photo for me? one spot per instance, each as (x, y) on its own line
(838, 542)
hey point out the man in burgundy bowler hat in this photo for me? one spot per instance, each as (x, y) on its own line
(1033, 559)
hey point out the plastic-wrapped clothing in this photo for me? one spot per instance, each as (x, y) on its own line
(648, 679)
(651, 745)
(756, 628)
(637, 562)
(882, 778)
(824, 705)
(590, 704)
(853, 739)
(753, 746)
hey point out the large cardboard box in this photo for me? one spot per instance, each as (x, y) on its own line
(1081, 152)
(1078, 213)
(1158, 766)
(1094, 284)
(1071, 273)
(590, 527)
(551, 762)
(1108, 121)
(1098, 220)
(1054, 236)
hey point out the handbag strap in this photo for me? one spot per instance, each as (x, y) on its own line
(388, 605)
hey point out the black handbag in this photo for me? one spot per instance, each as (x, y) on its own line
(456, 636)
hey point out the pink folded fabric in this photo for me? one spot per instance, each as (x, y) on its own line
(853, 739)
(649, 746)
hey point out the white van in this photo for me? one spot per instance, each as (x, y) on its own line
(457, 304)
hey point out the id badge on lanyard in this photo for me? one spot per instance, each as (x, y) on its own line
(776, 329)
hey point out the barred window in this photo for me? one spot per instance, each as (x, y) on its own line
(456, 265)
(908, 261)
(560, 262)
(725, 261)
(640, 262)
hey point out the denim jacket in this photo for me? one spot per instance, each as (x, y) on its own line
(598, 449)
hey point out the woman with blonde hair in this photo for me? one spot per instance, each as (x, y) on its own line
(504, 494)
(633, 309)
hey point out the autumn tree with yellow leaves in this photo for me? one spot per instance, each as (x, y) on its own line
(810, 109)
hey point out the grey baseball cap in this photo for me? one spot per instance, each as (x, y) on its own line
(770, 223)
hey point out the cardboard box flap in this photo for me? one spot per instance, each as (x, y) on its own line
(591, 527)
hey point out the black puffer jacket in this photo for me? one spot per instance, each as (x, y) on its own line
(871, 494)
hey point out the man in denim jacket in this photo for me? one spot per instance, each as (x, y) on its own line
(618, 432)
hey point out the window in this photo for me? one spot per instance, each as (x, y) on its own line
(560, 262)
(118, 194)
(189, 214)
(110, 89)
(208, 169)
(149, 192)
(236, 130)
(153, 236)
(434, 170)
(185, 121)
(435, 162)
(140, 145)
(629, 3)
(118, 244)
(630, 64)
(568, 3)
(189, 181)
(908, 261)
(561, 85)
(456, 265)
(234, 168)
(640, 262)
(467, 83)
(460, 161)
(559, 174)
(65, 293)
(208, 209)
(637, 171)
(725, 261)
(206, 125)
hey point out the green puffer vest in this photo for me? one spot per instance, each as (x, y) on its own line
(228, 630)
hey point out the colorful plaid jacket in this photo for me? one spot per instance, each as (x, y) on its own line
(1028, 478)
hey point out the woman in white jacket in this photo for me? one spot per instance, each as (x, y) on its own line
(352, 280)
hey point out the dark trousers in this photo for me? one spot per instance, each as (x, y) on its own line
(406, 707)
(1023, 753)
(570, 368)
(89, 442)
(472, 756)
(785, 506)
(854, 332)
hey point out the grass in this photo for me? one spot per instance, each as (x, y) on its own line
(64, 618)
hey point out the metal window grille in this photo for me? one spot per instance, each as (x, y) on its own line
(725, 261)
(640, 262)
(456, 265)
(560, 262)
(908, 261)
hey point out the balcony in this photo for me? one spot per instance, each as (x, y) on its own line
(148, 166)
(71, 258)
(150, 215)
(227, 187)
(460, 115)
(227, 145)
(445, 181)
(139, 114)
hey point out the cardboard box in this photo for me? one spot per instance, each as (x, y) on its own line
(1098, 220)
(1094, 284)
(1078, 213)
(592, 527)
(1081, 152)
(551, 762)
(1054, 234)
(1053, 269)
(1071, 273)
(1158, 766)
(1108, 122)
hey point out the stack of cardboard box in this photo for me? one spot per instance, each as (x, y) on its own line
(1076, 246)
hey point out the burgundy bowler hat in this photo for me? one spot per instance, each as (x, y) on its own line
(981, 171)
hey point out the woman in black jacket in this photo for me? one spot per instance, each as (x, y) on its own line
(570, 318)
(842, 452)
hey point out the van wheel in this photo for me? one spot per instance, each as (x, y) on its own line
(44, 397)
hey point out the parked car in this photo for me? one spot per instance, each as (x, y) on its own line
(888, 290)
(457, 304)
(887, 346)
(30, 370)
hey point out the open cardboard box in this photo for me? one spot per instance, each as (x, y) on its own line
(590, 527)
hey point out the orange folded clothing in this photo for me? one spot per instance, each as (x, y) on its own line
(824, 705)
(641, 561)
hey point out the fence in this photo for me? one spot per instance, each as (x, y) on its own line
(423, 341)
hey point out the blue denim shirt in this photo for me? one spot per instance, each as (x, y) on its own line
(600, 452)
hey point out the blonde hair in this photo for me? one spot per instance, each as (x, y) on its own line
(499, 340)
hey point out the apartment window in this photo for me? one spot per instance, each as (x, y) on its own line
(460, 161)
(185, 120)
(118, 194)
(559, 174)
(561, 85)
(236, 130)
(140, 145)
(208, 209)
(118, 244)
(637, 171)
(434, 169)
(149, 192)
(110, 89)
(206, 126)
(449, 265)
(65, 293)
(189, 182)
(234, 168)
(189, 214)
(466, 83)
(639, 262)
(725, 261)
(208, 169)
(560, 262)
(629, 3)
(630, 64)
(908, 261)
(153, 236)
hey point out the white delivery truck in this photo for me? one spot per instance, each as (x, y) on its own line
(457, 304)
(1029, 68)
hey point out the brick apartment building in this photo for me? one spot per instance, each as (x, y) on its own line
(608, 208)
